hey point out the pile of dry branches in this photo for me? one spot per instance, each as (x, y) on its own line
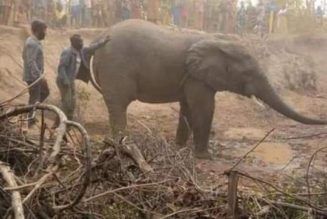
(168, 190)
(41, 174)
(47, 174)
(51, 174)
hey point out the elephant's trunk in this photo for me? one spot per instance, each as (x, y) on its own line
(267, 94)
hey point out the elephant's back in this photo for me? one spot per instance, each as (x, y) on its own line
(145, 28)
(141, 36)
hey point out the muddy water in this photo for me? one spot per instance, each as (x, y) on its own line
(274, 153)
(268, 154)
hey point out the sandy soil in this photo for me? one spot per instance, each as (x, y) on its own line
(238, 122)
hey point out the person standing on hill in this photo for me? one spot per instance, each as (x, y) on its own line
(320, 15)
(126, 9)
(282, 22)
(34, 66)
(75, 10)
(60, 16)
(96, 13)
(5, 8)
(261, 19)
(176, 12)
(241, 19)
(153, 7)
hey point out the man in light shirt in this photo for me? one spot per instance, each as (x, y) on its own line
(74, 62)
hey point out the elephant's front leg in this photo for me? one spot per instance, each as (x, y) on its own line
(184, 125)
(201, 100)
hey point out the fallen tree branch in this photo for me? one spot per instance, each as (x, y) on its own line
(16, 200)
(232, 199)
(315, 208)
(19, 187)
(193, 210)
(305, 136)
(134, 205)
(308, 170)
(53, 158)
(41, 181)
(123, 188)
(132, 151)
(61, 128)
(312, 194)
(88, 167)
(294, 206)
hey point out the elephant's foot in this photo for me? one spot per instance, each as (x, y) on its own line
(203, 154)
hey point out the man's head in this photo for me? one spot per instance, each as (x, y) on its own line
(76, 41)
(39, 29)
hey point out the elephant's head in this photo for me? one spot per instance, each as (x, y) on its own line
(227, 66)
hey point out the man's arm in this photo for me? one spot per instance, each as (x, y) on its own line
(94, 46)
(63, 63)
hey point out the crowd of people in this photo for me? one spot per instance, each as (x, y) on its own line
(227, 16)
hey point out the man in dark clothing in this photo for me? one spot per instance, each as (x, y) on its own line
(34, 65)
(73, 61)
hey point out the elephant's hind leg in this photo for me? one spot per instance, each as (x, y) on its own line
(117, 119)
(117, 98)
(184, 124)
(201, 100)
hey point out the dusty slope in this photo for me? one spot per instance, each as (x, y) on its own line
(238, 122)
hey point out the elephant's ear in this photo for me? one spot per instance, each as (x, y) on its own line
(217, 62)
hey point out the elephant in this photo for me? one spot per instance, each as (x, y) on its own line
(152, 64)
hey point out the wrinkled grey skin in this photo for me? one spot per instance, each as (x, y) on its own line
(151, 64)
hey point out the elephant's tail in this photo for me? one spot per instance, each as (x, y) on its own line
(92, 77)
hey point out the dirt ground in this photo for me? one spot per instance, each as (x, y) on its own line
(238, 122)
